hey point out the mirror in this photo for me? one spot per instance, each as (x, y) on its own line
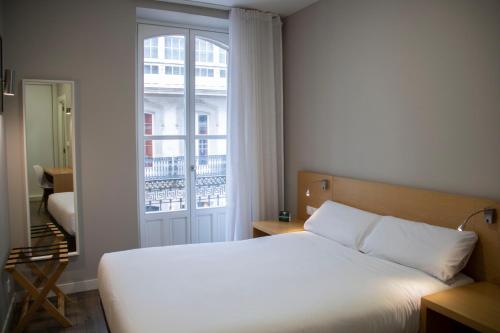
(49, 137)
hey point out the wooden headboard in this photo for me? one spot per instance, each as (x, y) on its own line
(437, 208)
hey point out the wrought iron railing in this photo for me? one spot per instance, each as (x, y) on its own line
(161, 168)
(165, 181)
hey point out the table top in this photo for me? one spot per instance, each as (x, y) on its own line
(58, 171)
(476, 305)
(274, 227)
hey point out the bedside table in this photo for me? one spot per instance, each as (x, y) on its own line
(464, 309)
(274, 227)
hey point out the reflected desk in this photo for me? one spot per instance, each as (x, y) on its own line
(62, 178)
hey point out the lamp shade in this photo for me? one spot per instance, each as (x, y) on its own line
(9, 82)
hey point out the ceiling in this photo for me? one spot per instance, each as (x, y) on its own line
(282, 7)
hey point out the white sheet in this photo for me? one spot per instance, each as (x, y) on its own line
(296, 282)
(62, 208)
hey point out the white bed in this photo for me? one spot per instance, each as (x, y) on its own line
(62, 208)
(296, 282)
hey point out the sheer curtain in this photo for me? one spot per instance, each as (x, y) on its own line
(255, 121)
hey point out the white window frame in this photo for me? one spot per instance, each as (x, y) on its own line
(190, 137)
(152, 47)
(176, 49)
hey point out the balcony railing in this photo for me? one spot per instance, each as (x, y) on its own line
(160, 168)
(165, 182)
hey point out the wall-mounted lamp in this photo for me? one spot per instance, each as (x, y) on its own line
(324, 186)
(9, 82)
(489, 217)
(68, 111)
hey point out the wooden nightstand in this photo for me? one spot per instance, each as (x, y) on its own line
(471, 308)
(267, 228)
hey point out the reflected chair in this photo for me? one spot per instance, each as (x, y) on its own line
(45, 185)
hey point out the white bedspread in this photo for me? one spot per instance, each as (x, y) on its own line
(62, 208)
(297, 282)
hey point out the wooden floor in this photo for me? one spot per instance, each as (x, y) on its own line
(84, 311)
(38, 217)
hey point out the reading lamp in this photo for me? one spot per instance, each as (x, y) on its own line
(489, 217)
(324, 186)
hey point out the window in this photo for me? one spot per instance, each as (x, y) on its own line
(151, 48)
(148, 144)
(202, 143)
(174, 48)
(204, 51)
(202, 124)
(203, 152)
(148, 124)
(223, 56)
(204, 72)
(222, 73)
(174, 70)
(151, 69)
(182, 127)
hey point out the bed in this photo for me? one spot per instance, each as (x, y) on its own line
(296, 282)
(61, 207)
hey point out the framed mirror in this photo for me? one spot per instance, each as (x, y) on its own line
(50, 160)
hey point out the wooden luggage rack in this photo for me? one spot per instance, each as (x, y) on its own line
(46, 264)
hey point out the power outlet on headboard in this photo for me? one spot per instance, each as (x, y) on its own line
(489, 215)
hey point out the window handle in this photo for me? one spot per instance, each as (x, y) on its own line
(193, 168)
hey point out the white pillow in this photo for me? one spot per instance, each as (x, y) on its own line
(438, 251)
(341, 223)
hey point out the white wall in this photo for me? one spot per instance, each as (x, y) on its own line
(94, 43)
(5, 296)
(405, 92)
(4, 224)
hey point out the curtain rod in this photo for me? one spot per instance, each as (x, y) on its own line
(205, 5)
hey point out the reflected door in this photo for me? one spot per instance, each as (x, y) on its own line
(182, 120)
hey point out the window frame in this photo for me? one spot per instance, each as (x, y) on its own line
(191, 210)
(150, 48)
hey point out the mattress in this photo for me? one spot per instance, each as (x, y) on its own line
(296, 282)
(62, 208)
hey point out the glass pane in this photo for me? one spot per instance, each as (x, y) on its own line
(164, 85)
(211, 88)
(210, 173)
(165, 175)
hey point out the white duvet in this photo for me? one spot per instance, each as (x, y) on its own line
(297, 282)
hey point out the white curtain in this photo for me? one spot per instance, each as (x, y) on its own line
(255, 129)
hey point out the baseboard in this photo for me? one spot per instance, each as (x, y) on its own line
(8, 316)
(78, 286)
(35, 197)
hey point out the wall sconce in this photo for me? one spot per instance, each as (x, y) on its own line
(489, 217)
(324, 186)
(68, 111)
(9, 82)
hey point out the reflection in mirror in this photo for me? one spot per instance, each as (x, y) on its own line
(50, 173)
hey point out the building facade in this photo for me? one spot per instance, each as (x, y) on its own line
(165, 114)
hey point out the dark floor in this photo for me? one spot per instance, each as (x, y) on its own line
(41, 216)
(38, 217)
(84, 311)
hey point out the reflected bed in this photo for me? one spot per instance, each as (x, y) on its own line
(61, 207)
